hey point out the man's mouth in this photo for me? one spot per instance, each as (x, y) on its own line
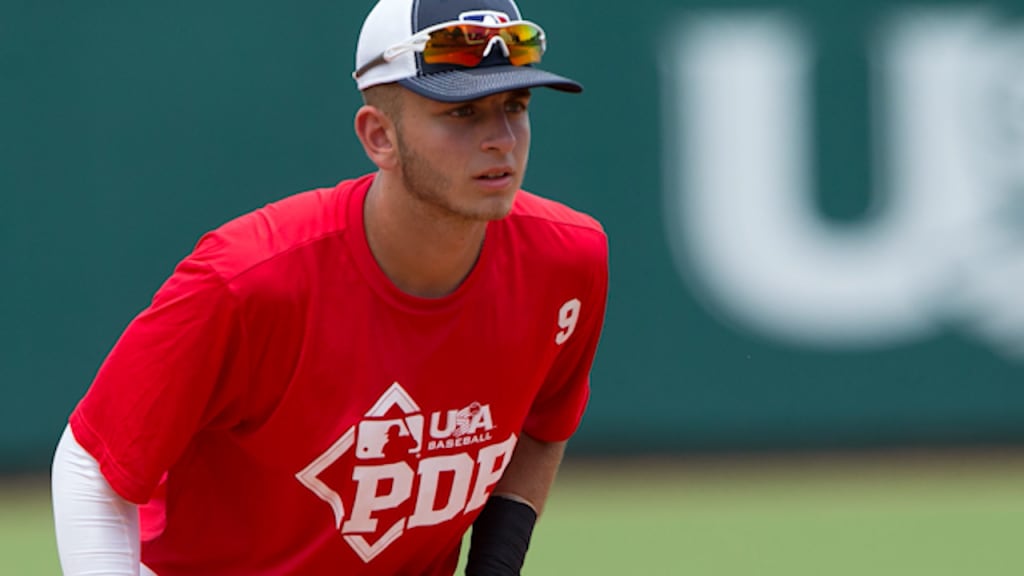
(495, 175)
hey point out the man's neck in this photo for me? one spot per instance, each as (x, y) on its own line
(423, 252)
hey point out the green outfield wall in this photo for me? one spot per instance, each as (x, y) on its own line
(816, 209)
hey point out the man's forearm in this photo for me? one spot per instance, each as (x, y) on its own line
(531, 472)
(97, 530)
(502, 532)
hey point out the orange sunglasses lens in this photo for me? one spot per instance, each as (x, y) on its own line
(465, 44)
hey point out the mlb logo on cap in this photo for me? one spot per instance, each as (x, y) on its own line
(453, 50)
(484, 17)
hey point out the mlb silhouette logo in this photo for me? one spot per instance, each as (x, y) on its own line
(491, 17)
(389, 437)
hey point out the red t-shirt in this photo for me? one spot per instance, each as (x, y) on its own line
(282, 408)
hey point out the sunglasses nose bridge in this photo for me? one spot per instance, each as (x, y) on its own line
(496, 39)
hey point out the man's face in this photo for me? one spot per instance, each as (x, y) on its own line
(465, 159)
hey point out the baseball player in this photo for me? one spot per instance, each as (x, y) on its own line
(348, 380)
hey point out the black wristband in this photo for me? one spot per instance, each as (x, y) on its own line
(501, 535)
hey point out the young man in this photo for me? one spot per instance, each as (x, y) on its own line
(345, 381)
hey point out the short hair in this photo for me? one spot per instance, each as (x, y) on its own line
(387, 98)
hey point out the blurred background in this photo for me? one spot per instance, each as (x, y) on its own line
(815, 334)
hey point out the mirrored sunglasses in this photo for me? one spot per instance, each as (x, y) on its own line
(467, 44)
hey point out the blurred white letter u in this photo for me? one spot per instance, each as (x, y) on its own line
(739, 207)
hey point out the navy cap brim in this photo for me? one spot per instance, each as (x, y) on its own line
(472, 83)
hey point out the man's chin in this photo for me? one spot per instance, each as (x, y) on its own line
(498, 209)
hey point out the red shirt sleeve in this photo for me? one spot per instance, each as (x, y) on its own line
(178, 368)
(558, 409)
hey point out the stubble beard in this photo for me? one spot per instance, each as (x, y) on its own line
(427, 185)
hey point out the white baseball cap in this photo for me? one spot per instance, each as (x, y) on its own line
(386, 52)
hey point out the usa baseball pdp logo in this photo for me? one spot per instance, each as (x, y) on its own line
(391, 431)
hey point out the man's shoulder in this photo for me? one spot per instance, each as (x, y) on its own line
(550, 232)
(277, 230)
(549, 212)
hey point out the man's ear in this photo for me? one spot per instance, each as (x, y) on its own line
(378, 136)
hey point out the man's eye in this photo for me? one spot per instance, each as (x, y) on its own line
(516, 106)
(461, 112)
